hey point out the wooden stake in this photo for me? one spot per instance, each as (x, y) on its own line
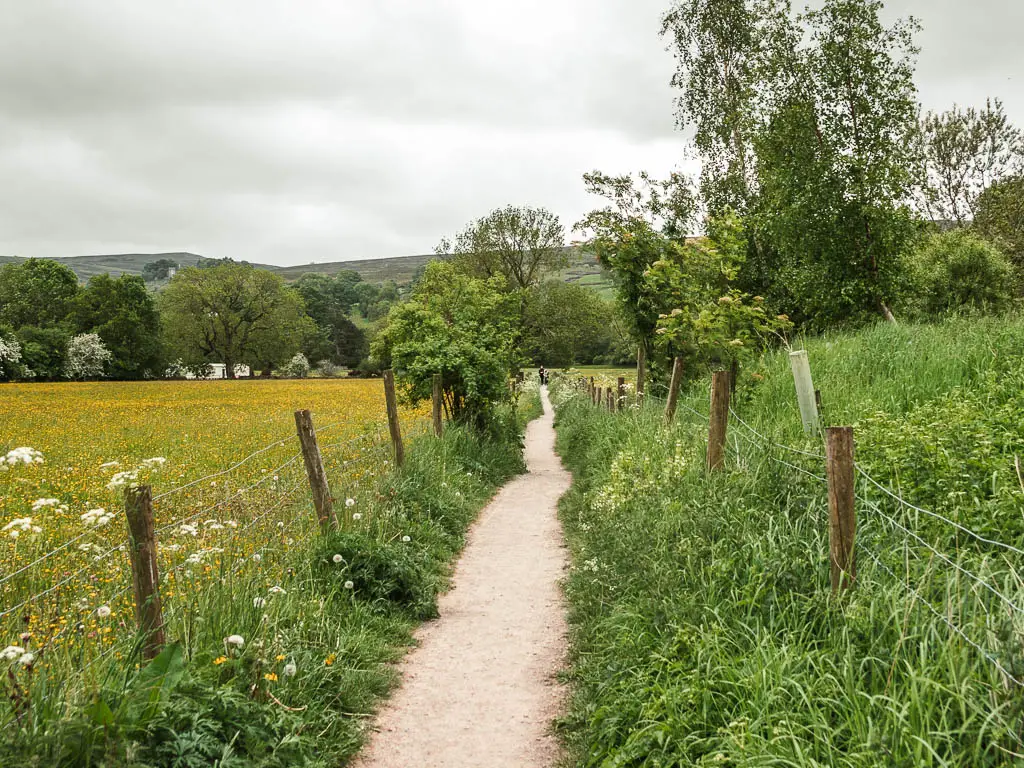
(322, 500)
(719, 419)
(621, 396)
(436, 402)
(842, 521)
(673, 390)
(392, 403)
(804, 390)
(138, 510)
(641, 372)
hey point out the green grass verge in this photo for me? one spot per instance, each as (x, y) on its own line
(703, 628)
(320, 639)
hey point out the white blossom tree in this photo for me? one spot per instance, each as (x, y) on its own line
(87, 357)
(11, 366)
(298, 367)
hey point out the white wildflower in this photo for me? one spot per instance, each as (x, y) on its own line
(338, 559)
(110, 465)
(230, 523)
(27, 659)
(257, 557)
(236, 640)
(290, 669)
(154, 463)
(349, 585)
(11, 652)
(22, 455)
(97, 517)
(40, 503)
(258, 602)
(103, 611)
(188, 530)
(406, 539)
(357, 516)
(350, 502)
(123, 479)
(275, 590)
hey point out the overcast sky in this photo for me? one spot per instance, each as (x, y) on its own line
(291, 131)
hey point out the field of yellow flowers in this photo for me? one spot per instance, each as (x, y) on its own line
(228, 482)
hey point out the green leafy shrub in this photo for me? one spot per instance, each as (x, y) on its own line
(958, 270)
(394, 572)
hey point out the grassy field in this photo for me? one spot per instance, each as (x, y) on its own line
(280, 639)
(704, 631)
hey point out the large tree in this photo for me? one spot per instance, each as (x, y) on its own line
(329, 301)
(461, 327)
(232, 313)
(521, 244)
(964, 152)
(999, 217)
(567, 324)
(124, 315)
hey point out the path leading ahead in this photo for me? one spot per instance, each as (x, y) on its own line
(480, 689)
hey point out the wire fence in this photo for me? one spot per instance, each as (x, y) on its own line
(882, 526)
(73, 604)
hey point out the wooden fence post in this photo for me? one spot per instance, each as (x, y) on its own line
(621, 393)
(138, 510)
(673, 390)
(641, 372)
(804, 390)
(842, 521)
(719, 419)
(436, 404)
(322, 501)
(392, 403)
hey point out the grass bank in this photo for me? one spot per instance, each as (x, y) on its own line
(704, 631)
(277, 668)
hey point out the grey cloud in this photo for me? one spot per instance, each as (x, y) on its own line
(289, 132)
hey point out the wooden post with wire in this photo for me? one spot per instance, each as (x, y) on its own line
(138, 510)
(842, 520)
(673, 390)
(719, 420)
(391, 401)
(621, 393)
(322, 500)
(436, 403)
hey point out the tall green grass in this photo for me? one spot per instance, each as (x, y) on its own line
(704, 631)
(320, 638)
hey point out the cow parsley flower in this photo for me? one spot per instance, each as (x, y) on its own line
(27, 659)
(22, 455)
(97, 517)
(20, 525)
(38, 504)
(123, 479)
(154, 463)
(11, 652)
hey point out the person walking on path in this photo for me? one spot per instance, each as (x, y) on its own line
(481, 688)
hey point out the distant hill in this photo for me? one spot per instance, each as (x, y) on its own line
(582, 270)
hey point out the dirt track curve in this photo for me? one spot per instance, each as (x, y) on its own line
(480, 689)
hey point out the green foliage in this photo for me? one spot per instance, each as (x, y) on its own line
(958, 270)
(124, 315)
(36, 292)
(329, 300)
(703, 628)
(458, 326)
(383, 573)
(965, 151)
(642, 224)
(44, 351)
(233, 313)
(1000, 217)
(520, 244)
(566, 324)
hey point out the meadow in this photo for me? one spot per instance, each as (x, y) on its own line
(236, 533)
(704, 628)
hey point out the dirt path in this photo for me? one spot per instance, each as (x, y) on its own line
(480, 690)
